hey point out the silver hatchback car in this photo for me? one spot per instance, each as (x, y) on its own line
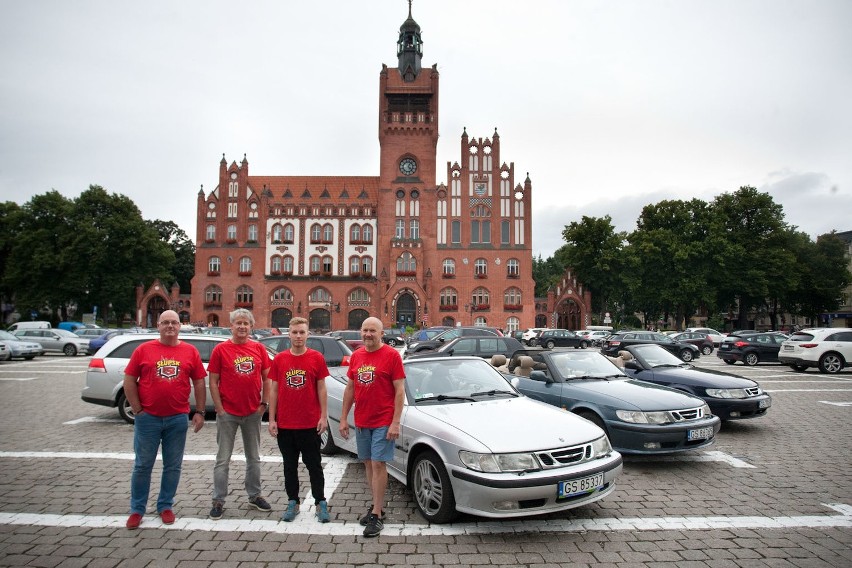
(57, 340)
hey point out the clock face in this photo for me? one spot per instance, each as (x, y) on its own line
(407, 166)
(233, 175)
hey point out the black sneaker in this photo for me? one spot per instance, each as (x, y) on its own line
(260, 504)
(366, 517)
(216, 511)
(374, 526)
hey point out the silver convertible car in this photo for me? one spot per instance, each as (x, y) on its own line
(471, 443)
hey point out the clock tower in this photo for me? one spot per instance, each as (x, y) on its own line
(408, 140)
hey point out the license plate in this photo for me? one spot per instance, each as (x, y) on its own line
(765, 403)
(580, 486)
(725, 347)
(788, 348)
(700, 434)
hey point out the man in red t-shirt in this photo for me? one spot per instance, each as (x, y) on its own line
(298, 398)
(376, 388)
(157, 386)
(240, 388)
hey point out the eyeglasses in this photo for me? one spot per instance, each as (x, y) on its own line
(171, 322)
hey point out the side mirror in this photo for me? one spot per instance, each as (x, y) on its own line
(541, 376)
(515, 382)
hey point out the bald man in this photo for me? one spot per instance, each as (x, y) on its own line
(376, 388)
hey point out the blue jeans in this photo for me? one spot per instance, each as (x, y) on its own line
(226, 431)
(148, 432)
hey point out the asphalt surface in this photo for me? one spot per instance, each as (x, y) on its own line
(774, 491)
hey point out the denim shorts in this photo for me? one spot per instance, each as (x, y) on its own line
(374, 445)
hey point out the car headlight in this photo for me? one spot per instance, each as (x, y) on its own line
(497, 463)
(730, 393)
(639, 417)
(601, 447)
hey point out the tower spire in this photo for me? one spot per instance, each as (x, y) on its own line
(409, 48)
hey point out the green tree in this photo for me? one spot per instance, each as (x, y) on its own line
(112, 250)
(37, 267)
(596, 256)
(746, 243)
(183, 249)
(822, 275)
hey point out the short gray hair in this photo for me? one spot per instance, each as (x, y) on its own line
(244, 313)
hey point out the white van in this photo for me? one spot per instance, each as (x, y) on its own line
(28, 325)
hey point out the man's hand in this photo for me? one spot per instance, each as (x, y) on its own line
(322, 425)
(344, 428)
(273, 429)
(197, 421)
(393, 431)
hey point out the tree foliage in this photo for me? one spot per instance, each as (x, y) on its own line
(90, 251)
(183, 249)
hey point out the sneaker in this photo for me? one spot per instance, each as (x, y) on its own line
(167, 516)
(291, 512)
(366, 517)
(322, 512)
(217, 511)
(133, 521)
(374, 526)
(260, 504)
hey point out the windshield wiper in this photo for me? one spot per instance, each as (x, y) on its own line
(669, 365)
(493, 392)
(444, 397)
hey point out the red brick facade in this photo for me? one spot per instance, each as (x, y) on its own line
(400, 246)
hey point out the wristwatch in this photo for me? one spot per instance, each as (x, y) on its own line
(266, 404)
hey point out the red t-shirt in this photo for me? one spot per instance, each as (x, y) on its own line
(164, 374)
(373, 374)
(297, 377)
(240, 367)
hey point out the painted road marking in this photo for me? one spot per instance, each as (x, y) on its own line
(308, 524)
(835, 403)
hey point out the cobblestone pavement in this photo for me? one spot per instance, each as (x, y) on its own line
(775, 491)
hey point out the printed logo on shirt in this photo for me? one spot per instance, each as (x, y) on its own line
(168, 368)
(244, 365)
(296, 378)
(366, 374)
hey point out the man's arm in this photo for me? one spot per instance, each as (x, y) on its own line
(200, 404)
(348, 399)
(398, 400)
(322, 396)
(215, 394)
(273, 407)
(131, 392)
(264, 392)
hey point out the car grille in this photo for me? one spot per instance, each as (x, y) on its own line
(690, 414)
(565, 456)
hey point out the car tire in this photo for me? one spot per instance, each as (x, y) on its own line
(686, 355)
(729, 361)
(29, 357)
(125, 410)
(594, 419)
(69, 350)
(751, 359)
(799, 368)
(327, 445)
(584, 345)
(532, 342)
(706, 350)
(392, 342)
(831, 363)
(550, 344)
(432, 489)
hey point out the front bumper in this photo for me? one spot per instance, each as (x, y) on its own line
(531, 493)
(632, 438)
(739, 408)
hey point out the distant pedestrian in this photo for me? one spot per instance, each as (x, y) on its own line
(157, 386)
(240, 390)
(299, 403)
(376, 388)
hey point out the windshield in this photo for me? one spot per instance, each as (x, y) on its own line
(656, 356)
(453, 377)
(573, 364)
(5, 335)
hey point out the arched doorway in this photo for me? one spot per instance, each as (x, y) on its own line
(406, 310)
(156, 306)
(319, 320)
(356, 318)
(568, 315)
(213, 320)
(281, 317)
(448, 321)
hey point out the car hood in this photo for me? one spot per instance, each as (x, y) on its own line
(534, 425)
(697, 377)
(633, 394)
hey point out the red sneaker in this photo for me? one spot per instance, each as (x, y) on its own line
(167, 516)
(133, 521)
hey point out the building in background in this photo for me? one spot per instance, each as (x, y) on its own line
(400, 245)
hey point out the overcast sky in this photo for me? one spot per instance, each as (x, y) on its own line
(608, 105)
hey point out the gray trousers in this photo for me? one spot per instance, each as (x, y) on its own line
(226, 431)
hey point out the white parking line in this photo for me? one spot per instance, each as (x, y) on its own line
(807, 390)
(835, 403)
(308, 524)
(22, 379)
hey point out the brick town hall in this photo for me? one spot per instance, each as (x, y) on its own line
(400, 245)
